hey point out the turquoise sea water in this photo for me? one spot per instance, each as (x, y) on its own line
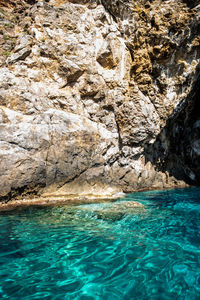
(71, 253)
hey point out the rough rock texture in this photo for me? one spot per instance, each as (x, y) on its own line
(98, 97)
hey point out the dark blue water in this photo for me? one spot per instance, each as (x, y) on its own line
(71, 253)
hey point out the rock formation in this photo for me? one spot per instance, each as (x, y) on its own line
(98, 97)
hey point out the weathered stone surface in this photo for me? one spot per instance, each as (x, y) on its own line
(95, 94)
(53, 147)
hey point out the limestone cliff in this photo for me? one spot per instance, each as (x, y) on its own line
(98, 97)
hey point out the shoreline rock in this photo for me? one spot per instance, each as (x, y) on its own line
(57, 200)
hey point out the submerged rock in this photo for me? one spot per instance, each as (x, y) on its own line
(113, 211)
(98, 97)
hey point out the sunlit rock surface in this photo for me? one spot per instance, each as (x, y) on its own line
(98, 97)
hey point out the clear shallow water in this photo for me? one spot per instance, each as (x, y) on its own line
(69, 253)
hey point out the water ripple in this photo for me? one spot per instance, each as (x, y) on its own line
(70, 253)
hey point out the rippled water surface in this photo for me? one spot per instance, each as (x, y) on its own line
(75, 253)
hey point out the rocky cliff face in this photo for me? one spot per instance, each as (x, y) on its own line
(98, 97)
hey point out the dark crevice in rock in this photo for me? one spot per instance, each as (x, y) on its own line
(191, 3)
(177, 147)
(16, 144)
(119, 136)
(72, 178)
(27, 191)
(31, 2)
(108, 9)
